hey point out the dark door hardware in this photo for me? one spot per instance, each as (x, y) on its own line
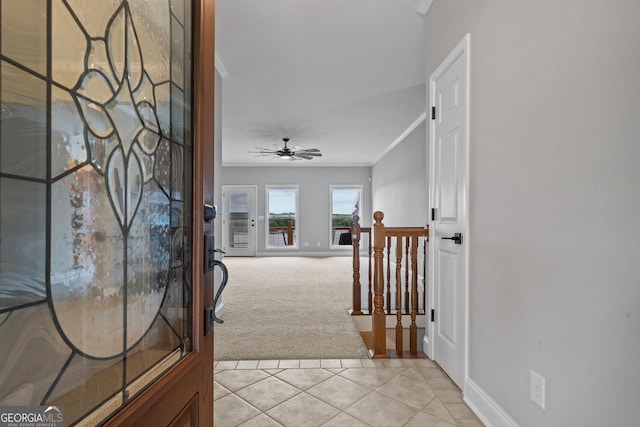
(457, 238)
(209, 212)
(210, 264)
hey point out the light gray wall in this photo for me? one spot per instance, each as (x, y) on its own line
(313, 200)
(399, 182)
(555, 203)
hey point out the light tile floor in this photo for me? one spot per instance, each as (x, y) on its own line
(337, 393)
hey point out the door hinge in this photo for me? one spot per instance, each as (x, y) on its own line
(433, 315)
(433, 214)
(433, 113)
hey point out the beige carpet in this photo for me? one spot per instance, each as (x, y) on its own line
(287, 308)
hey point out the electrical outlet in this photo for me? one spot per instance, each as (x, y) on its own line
(537, 389)
(305, 244)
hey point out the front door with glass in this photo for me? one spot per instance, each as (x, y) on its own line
(97, 284)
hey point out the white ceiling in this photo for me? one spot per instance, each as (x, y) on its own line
(345, 76)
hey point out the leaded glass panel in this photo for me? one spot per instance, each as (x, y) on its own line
(87, 383)
(24, 122)
(32, 353)
(23, 243)
(177, 50)
(95, 18)
(67, 133)
(24, 33)
(69, 45)
(95, 193)
(153, 24)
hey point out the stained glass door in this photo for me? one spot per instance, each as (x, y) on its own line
(96, 155)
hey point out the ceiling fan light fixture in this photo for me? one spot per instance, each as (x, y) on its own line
(295, 153)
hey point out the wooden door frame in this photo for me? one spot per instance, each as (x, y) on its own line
(461, 49)
(147, 408)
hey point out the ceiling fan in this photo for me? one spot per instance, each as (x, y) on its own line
(284, 152)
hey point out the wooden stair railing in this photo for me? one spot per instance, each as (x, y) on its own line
(405, 239)
(356, 237)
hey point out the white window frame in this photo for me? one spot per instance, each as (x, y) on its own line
(295, 245)
(333, 246)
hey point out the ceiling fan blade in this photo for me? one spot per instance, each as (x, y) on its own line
(262, 149)
(312, 150)
(307, 153)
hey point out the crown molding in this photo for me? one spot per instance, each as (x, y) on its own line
(423, 6)
(221, 70)
(399, 139)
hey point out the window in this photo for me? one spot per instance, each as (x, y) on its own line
(239, 219)
(345, 202)
(282, 216)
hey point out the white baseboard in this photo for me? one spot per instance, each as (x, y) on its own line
(425, 346)
(489, 412)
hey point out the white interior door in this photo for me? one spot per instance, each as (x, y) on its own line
(239, 220)
(449, 86)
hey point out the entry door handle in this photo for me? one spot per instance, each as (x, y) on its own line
(210, 212)
(210, 312)
(457, 238)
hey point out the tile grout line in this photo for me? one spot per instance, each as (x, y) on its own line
(335, 369)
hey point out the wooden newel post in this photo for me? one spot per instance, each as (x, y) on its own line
(378, 319)
(355, 240)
